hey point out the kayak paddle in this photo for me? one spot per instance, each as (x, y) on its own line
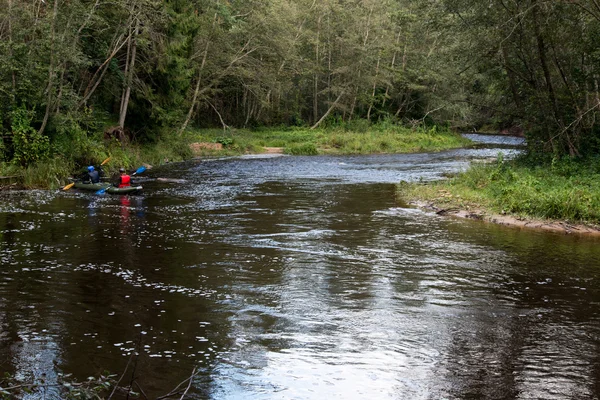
(102, 191)
(139, 170)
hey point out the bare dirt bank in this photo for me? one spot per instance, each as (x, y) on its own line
(508, 220)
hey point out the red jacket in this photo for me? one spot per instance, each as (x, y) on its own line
(125, 181)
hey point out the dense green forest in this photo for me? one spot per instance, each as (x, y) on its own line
(147, 70)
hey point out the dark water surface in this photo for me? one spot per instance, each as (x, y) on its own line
(295, 278)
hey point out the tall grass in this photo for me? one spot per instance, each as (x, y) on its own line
(49, 173)
(565, 189)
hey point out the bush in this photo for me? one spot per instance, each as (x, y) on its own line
(29, 146)
(225, 141)
(76, 143)
(304, 149)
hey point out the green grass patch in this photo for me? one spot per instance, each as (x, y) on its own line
(563, 190)
(336, 140)
(304, 149)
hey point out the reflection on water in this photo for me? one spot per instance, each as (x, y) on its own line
(295, 278)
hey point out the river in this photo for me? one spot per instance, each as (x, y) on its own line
(276, 277)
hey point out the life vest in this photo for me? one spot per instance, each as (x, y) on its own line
(125, 181)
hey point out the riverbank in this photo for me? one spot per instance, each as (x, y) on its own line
(563, 196)
(510, 220)
(54, 171)
(367, 139)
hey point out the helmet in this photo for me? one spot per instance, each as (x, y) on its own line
(91, 168)
(121, 169)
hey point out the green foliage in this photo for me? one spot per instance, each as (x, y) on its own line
(225, 141)
(29, 146)
(72, 141)
(306, 149)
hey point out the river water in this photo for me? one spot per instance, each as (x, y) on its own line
(295, 278)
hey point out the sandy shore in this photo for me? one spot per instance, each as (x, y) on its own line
(508, 220)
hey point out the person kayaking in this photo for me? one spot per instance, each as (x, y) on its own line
(123, 180)
(92, 175)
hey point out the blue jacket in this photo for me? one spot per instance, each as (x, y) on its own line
(94, 176)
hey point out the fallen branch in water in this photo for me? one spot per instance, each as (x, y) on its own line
(121, 377)
(176, 391)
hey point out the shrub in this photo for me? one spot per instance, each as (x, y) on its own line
(29, 146)
(305, 149)
(225, 141)
(76, 143)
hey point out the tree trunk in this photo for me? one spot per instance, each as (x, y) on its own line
(126, 71)
(374, 88)
(224, 71)
(129, 76)
(93, 83)
(541, 46)
(190, 113)
(60, 87)
(387, 89)
(10, 55)
(328, 111)
(316, 76)
(50, 70)
(329, 59)
(225, 126)
(511, 77)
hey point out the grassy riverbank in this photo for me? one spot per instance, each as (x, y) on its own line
(68, 159)
(359, 139)
(564, 190)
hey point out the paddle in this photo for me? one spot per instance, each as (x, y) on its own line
(103, 190)
(137, 171)
(70, 185)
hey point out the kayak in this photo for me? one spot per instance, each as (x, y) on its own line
(107, 187)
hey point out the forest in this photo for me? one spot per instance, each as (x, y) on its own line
(75, 71)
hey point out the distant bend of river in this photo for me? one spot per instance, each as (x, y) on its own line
(295, 278)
